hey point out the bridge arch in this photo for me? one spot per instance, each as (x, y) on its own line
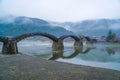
(77, 40)
(10, 44)
(22, 37)
(19, 38)
(72, 36)
(87, 38)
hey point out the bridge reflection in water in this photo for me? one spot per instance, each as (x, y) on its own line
(77, 50)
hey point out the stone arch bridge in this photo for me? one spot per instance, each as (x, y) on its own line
(10, 44)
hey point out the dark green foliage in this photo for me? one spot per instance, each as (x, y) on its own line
(111, 35)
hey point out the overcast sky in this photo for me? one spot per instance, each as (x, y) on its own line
(61, 10)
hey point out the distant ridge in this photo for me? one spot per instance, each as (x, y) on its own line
(21, 25)
(98, 27)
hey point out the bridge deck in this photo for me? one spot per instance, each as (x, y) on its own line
(22, 67)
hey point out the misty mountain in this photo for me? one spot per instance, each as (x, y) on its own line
(98, 27)
(13, 26)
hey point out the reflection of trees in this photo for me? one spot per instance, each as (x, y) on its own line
(110, 51)
(59, 54)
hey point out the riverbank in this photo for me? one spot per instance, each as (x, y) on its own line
(23, 67)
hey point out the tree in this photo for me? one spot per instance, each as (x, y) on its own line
(111, 35)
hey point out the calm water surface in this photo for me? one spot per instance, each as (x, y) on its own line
(102, 55)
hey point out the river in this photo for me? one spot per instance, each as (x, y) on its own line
(103, 55)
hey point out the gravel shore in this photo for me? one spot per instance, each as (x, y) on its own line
(23, 67)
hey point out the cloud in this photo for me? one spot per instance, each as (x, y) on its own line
(2, 9)
(62, 10)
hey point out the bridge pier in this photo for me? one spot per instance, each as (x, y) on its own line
(58, 45)
(78, 45)
(10, 47)
(57, 54)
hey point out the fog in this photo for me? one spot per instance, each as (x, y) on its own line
(61, 10)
